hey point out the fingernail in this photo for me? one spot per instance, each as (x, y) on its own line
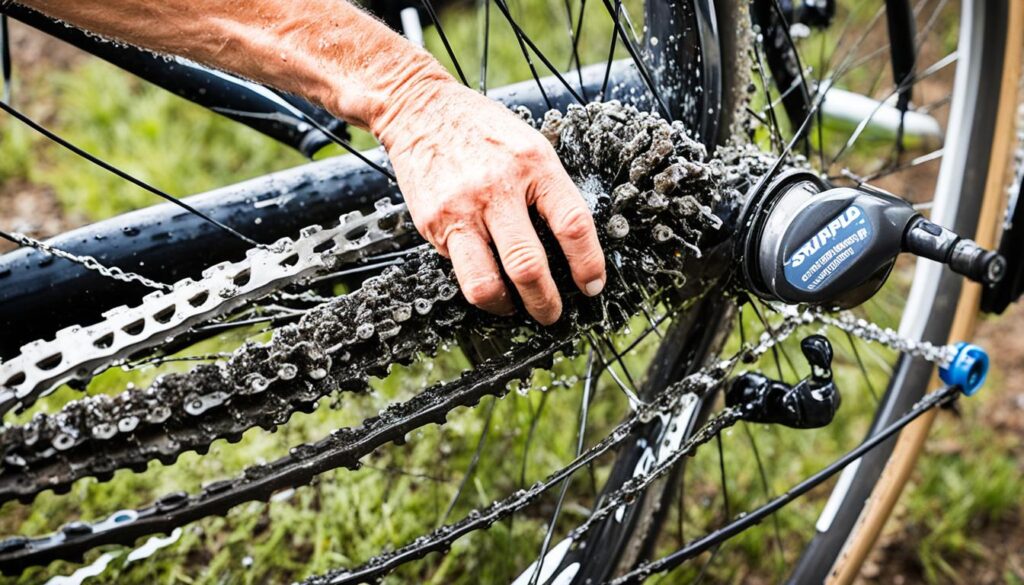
(594, 287)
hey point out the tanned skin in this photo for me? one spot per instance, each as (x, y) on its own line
(468, 168)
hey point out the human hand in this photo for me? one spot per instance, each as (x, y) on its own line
(469, 170)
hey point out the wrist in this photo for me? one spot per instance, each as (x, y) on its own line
(419, 88)
(375, 94)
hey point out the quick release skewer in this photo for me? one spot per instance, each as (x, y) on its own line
(804, 242)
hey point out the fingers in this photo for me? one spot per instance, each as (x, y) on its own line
(525, 261)
(477, 272)
(560, 204)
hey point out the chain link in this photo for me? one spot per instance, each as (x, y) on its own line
(88, 262)
(858, 327)
(81, 352)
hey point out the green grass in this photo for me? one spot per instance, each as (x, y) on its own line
(404, 491)
(150, 133)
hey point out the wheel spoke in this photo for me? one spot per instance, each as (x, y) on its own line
(486, 50)
(631, 48)
(580, 436)
(767, 492)
(574, 60)
(444, 40)
(95, 160)
(754, 517)
(471, 469)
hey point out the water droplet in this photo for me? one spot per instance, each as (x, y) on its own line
(287, 371)
(618, 227)
(258, 383)
(364, 331)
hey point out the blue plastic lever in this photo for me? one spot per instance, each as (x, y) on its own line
(967, 369)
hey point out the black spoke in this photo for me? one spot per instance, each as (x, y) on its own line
(120, 173)
(534, 419)
(575, 58)
(774, 127)
(611, 56)
(630, 393)
(529, 60)
(741, 523)
(775, 347)
(767, 492)
(487, 46)
(580, 436)
(444, 40)
(524, 38)
(791, 46)
(638, 60)
(900, 87)
(472, 462)
(5, 58)
(617, 356)
(344, 144)
(862, 366)
(724, 480)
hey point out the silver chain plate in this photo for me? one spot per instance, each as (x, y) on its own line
(78, 352)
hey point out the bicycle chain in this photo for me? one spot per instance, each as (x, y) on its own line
(77, 353)
(858, 327)
(88, 262)
(329, 329)
(337, 345)
(342, 448)
(696, 384)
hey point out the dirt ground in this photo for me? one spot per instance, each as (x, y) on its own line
(32, 210)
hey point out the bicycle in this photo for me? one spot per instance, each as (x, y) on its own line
(710, 212)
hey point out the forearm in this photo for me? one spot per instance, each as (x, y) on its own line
(326, 50)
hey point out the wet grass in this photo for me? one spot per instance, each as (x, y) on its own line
(401, 492)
